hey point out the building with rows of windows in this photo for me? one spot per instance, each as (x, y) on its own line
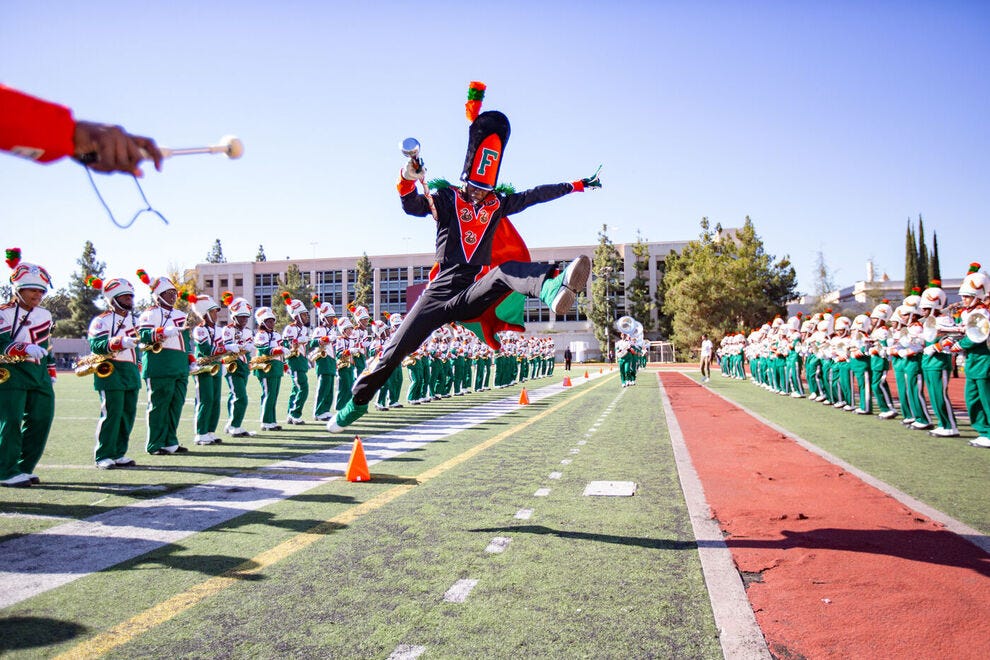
(333, 279)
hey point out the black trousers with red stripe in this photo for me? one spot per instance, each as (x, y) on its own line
(453, 295)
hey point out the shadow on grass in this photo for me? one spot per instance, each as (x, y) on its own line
(26, 632)
(655, 544)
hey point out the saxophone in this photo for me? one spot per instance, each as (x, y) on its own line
(9, 359)
(262, 363)
(345, 361)
(95, 363)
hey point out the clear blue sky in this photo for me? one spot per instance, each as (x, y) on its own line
(830, 124)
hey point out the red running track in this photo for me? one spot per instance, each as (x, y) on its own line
(835, 567)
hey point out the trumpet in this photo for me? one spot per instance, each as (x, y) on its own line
(9, 359)
(95, 363)
(154, 347)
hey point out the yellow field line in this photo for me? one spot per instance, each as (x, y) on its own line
(171, 608)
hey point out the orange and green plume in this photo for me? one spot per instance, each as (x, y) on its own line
(476, 94)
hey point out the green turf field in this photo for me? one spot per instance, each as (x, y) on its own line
(359, 570)
(313, 577)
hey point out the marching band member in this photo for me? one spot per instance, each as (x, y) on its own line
(209, 345)
(859, 363)
(879, 362)
(269, 366)
(467, 221)
(27, 398)
(360, 338)
(113, 336)
(295, 340)
(345, 349)
(793, 359)
(237, 338)
(812, 363)
(936, 363)
(973, 292)
(912, 345)
(898, 328)
(165, 364)
(394, 383)
(624, 353)
(321, 353)
(842, 382)
(377, 332)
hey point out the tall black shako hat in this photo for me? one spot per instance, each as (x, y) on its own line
(487, 138)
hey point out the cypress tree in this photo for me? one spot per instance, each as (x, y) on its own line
(910, 261)
(933, 266)
(923, 274)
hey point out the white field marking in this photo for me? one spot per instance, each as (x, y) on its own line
(458, 593)
(610, 489)
(566, 461)
(971, 534)
(406, 652)
(575, 450)
(590, 431)
(582, 442)
(738, 632)
(36, 563)
(133, 488)
(498, 545)
(523, 514)
(555, 475)
(32, 516)
(542, 492)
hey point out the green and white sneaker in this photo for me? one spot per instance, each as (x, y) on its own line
(346, 416)
(559, 293)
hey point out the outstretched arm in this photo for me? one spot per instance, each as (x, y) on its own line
(517, 202)
(43, 131)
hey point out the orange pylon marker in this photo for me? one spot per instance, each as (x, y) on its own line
(586, 374)
(601, 370)
(523, 398)
(357, 467)
(567, 381)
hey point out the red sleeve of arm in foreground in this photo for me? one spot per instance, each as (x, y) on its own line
(33, 128)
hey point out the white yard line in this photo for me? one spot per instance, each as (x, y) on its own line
(36, 563)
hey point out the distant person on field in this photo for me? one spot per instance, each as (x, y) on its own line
(706, 358)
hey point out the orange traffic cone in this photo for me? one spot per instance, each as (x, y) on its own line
(524, 398)
(357, 467)
(586, 374)
(601, 370)
(567, 381)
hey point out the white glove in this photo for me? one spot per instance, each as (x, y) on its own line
(232, 347)
(35, 352)
(128, 342)
(170, 331)
(930, 350)
(409, 172)
(193, 367)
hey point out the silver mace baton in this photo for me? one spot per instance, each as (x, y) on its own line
(229, 145)
(410, 149)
